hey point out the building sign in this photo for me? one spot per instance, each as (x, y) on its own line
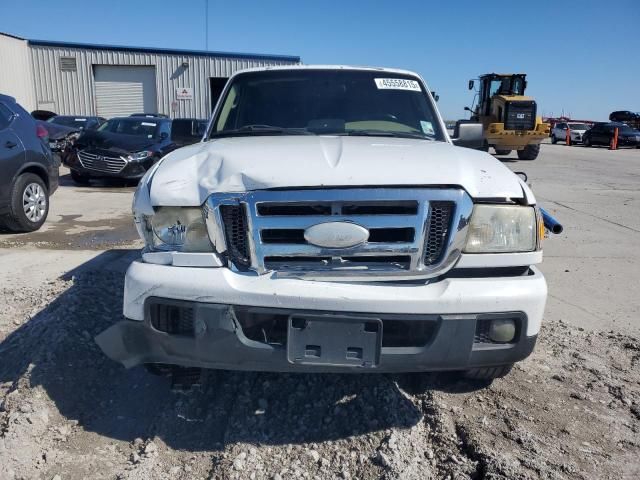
(184, 93)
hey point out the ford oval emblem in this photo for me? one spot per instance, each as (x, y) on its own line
(336, 235)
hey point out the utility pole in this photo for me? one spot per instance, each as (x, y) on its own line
(206, 25)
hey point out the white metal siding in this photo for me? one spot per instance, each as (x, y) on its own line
(123, 90)
(73, 92)
(16, 78)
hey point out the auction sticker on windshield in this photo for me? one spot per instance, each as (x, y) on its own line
(146, 124)
(397, 84)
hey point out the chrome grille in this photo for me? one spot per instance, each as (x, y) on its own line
(437, 231)
(236, 235)
(101, 163)
(412, 232)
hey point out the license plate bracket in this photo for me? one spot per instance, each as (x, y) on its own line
(334, 340)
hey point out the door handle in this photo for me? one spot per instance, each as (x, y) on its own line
(10, 144)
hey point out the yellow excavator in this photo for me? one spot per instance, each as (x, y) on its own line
(509, 118)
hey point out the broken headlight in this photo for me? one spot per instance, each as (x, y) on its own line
(178, 228)
(502, 229)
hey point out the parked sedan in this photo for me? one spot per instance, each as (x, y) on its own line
(559, 132)
(28, 172)
(602, 133)
(123, 147)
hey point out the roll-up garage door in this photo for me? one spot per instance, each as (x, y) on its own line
(123, 89)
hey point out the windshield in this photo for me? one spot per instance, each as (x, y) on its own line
(327, 102)
(129, 126)
(578, 126)
(506, 86)
(624, 129)
(76, 122)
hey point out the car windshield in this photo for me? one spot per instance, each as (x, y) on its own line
(131, 126)
(624, 129)
(578, 126)
(327, 102)
(76, 122)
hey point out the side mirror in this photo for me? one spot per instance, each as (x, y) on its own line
(435, 96)
(164, 136)
(471, 84)
(468, 134)
(467, 109)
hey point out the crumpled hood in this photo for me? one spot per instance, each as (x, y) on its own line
(187, 176)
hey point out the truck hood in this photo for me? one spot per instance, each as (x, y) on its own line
(187, 176)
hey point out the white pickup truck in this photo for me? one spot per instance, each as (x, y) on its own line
(327, 222)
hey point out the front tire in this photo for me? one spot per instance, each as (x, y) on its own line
(29, 204)
(554, 140)
(586, 142)
(530, 152)
(488, 373)
(502, 152)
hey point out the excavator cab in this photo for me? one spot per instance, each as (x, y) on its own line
(496, 84)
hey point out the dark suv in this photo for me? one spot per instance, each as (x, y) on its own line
(123, 147)
(28, 172)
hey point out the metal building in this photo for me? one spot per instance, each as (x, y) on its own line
(106, 80)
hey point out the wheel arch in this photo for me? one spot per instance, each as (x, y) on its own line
(36, 169)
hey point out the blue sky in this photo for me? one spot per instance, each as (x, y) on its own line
(581, 57)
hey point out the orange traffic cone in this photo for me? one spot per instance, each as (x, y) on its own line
(614, 140)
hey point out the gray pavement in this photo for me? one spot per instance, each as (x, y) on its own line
(593, 267)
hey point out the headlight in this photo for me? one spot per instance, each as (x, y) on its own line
(179, 228)
(501, 229)
(139, 156)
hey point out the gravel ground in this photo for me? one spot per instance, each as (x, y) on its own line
(572, 410)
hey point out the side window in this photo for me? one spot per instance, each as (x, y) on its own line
(5, 116)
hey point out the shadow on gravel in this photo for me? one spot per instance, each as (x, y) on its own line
(55, 350)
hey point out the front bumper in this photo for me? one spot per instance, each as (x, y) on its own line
(502, 139)
(628, 142)
(450, 307)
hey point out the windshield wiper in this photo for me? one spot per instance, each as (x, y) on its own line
(260, 130)
(388, 133)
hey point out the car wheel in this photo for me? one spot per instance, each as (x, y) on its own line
(488, 373)
(29, 204)
(586, 142)
(530, 152)
(79, 179)
(554, 140)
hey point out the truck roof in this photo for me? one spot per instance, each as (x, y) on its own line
(328, 67)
